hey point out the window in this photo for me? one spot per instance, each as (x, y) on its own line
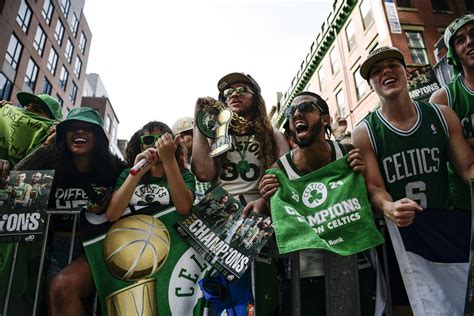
(24, 16)
(107, 123)
(47, 11)
(440, 5)
(321, 78)
(47, 87)
(82, 42)
(5, 87)
(65, 6)
(74, 24)
(68, 51)
(60, 100)
(13, 51)
(31, 74)
(40, 40)
(469, 5)
(365, 13)
(63, 78)
(405, 3)
(350, 35)
(52, 61)
(334, 60)
(340, 103)
(360, 84)
(59, 32)
(78, 67)
(73, 93)
(417, 47)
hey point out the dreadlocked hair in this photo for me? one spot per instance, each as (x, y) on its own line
(134, 145)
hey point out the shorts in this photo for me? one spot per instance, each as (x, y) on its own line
(59, 254)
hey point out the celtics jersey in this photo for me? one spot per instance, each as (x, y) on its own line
(242, 172)
(413, 162)
(461, 100)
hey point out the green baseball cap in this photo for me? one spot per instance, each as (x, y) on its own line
(455, 26)
(82, 114)
(51, 105)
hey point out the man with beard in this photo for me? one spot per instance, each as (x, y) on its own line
(406, 145)
(309, 124)
(459, 95)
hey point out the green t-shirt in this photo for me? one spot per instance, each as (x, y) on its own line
(461, 100)
(154, 190)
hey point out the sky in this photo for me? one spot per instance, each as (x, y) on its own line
(157, 57)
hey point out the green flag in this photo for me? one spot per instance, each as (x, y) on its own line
(20, 132)
(325, 209)
(177, 291)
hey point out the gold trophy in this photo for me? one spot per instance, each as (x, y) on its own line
(135, 248)
(215, 121)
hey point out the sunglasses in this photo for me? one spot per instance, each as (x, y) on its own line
(302, 107)
(149, 140)
(239, 90)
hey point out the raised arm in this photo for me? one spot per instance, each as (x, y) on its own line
(121, 198)
(460, 153)
(181, 196)
(402, 212)
(203, 167)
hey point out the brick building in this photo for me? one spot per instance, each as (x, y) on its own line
(44, 48)
(350, 32)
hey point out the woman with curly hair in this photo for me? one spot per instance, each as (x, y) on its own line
(255, 144)
(86, 171)
(162, 188)
(164, 177)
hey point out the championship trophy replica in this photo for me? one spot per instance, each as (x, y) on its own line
(135, 248)
(214, 122)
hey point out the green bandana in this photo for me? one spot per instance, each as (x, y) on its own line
(325, 209)
(20, 132)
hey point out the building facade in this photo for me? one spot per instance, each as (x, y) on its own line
(352, 30)
(44, 48)
(95, 96)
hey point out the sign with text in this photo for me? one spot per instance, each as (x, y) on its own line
(23, 201)
(216, 229)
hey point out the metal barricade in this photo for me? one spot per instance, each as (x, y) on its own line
(49, 213)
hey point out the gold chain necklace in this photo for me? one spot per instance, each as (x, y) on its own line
(239, 125)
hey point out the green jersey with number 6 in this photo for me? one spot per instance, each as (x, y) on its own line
(413, 162)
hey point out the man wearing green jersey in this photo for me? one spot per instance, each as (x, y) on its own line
(459, 94)
(406, 145)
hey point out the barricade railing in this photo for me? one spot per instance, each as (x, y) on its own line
(49, 213)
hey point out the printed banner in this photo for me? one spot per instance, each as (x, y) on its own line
(16, 126)
(175, 289)
(392, 16)
(216, 229)
(23, 200)
(326, 209)
(422, 82)
(469, 301)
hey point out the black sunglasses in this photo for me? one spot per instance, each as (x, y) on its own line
(302, 107)
(239, 90)
(149, 140)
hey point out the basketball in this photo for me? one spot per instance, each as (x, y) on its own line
(136, 247)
